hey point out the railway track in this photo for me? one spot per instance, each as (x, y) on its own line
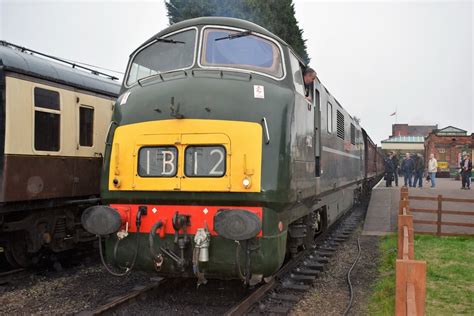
(6, 276)
(126, 298)
(296, 277)
(279, 294)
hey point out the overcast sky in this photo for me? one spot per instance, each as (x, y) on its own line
(375, 57)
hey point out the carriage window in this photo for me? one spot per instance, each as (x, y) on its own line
(165, 54)
(329, 111)
(86, 126)
(340, 125)
(47, 120)
(234, 49)
(46, 99)
(297, 74)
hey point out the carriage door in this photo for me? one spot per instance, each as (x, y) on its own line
(317, 132)
(86, 164)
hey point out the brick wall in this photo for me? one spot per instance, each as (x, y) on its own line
(448, 148)
(412, 130)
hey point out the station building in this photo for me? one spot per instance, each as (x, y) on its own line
(448, 145)
(404, 144)
(407, 139)
(412, 130)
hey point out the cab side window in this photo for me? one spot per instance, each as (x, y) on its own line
(329, 116)
(297, 74)
(47, 120)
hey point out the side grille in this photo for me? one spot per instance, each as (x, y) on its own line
(353, 134)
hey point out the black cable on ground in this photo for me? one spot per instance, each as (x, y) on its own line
(349, 305)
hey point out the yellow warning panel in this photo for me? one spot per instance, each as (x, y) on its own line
(187, 155)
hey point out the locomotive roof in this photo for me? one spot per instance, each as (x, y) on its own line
(224, 21)
(25, 63)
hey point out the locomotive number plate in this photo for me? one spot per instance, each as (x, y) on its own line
(157, 161)
(205, 161)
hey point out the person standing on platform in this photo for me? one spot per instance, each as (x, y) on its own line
(388, 166)
(466, 169)
(432, 169)
(407, 168)
(395, 162)
(419, 168)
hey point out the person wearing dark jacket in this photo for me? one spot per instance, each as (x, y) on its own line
(395, 166)
(419, 168)
(389, 169)
(407, 168)
(466, 169)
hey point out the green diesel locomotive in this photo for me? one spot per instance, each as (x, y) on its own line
(216, 165)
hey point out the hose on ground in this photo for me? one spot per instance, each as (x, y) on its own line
(349, 305)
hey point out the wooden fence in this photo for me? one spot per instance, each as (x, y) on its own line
(440, 212)
(410, 281)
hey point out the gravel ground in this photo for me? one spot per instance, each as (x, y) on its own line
(181, 297)
(67, 292)
(330, 294)
(87, 286)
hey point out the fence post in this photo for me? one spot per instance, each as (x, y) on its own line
(440, 206)
(404, 193)
(405, 220)
(410, 272)
(403, 204)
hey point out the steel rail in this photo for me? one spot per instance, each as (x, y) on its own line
(247, 303)
(123, 299)
(4, 275)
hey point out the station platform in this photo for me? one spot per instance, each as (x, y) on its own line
(381, 218)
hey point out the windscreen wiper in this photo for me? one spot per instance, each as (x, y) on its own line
(167, 40)
(235, 35)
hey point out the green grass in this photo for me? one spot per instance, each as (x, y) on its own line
(450, 275)
(382, 301)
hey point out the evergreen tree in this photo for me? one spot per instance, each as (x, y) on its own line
(278, 16)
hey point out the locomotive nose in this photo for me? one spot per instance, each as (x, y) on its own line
(101, 220)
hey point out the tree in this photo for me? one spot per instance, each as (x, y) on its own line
(278, 16)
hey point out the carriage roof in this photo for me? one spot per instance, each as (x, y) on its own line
(26, 63)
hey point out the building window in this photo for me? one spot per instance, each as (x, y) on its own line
(86, 126)
(329, 117)
(353, 134)
(47, 120)
(340, 125)
(441, 154)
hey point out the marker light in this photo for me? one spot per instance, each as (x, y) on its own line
(116, 182)
(246, 182)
